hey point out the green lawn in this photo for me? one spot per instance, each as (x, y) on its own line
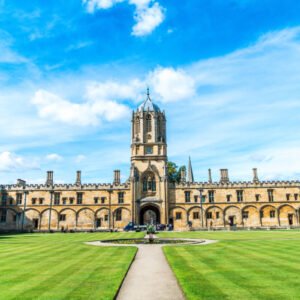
(61, 266)
(242, 265)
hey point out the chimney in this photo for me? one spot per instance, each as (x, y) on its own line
(182, 175)
(117, 179)
(209, 176)
(255, 176)
(78, 178)
(224, 176)
(49, 180)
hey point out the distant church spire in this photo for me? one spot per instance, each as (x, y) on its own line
(190, 174)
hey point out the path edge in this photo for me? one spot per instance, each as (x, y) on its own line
(125, 275)
(182, 291)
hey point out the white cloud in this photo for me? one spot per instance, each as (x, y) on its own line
(147, 19)
(54, 157)
(90, 112)
(11, 162)
(148, 14)
(93, 5)
(172, 85)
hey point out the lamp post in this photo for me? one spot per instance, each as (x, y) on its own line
(201, 206)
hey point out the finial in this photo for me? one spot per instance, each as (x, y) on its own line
(148, 92)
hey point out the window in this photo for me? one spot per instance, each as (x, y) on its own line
(270, 195)
(119, 215)
(121, 197)
(257, 196)
(11, 200)
(288, 197)
(261, 214)
(178, 216)
(71, 200)
(64, 200)
(209, 215)
(148, 123)
(56, 198)
(149, 150)
(106, 218)
(2, 215)
(14, 218)
(195, 198)
(272, 213)
(211, 196)
(103, 200)
(96, 199)
(245, 214)
(217, 215)
(19, 198)
(33, 201)
(149, 183)
(62, 217)
(228, 197)
(187, 195)
(4, 198)
(239, 195)
(296, 196)
(195, 215)
(79, 198)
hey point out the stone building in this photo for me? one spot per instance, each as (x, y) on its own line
(148, 196)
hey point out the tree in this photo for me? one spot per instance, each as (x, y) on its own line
(174, 173)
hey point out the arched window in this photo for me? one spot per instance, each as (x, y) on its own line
(149, 183)
(137, 125)
(148, 123)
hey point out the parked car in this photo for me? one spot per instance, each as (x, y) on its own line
(133, 227)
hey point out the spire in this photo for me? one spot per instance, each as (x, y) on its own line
(148, 93)
(190, 174)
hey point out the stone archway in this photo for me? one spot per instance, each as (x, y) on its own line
(149, 214)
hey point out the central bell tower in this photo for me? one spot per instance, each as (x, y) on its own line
(149, 164)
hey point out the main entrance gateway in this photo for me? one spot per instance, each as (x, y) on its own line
(149, 215)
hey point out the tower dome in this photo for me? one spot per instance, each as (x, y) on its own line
(148, 105)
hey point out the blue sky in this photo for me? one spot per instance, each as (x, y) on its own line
(225, 71)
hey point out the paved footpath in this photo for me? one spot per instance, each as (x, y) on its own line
(150, 277)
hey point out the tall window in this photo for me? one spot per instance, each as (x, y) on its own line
(228, 198)
(287, 197)
(56, 198)
(149, 183)
(79, 198)
(187, 195)
(148, 123)
(239, 195)
(19, 198)
(257, 197)
(296, 196)
(271, 195)
(121, 197)
(195, 198)
(119, 215)
(2, 215)
(272, 213)
(211, 196)
(4, 198)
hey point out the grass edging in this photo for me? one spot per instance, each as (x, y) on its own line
(183, 293)
(120, 286)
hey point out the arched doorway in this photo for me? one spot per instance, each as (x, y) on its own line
(149, 215)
